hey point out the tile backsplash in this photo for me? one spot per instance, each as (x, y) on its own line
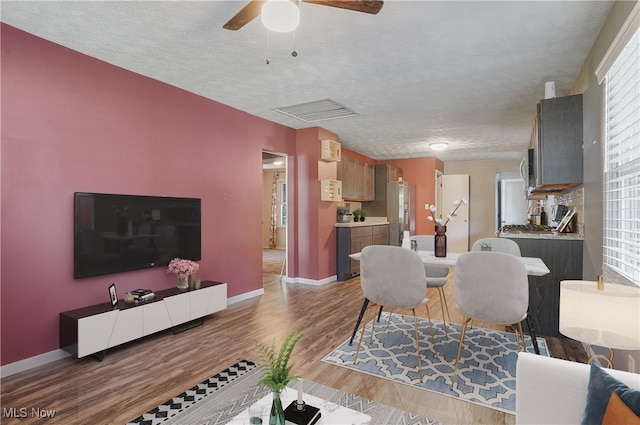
(574, 200)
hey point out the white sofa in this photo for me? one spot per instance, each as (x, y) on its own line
(553, 391)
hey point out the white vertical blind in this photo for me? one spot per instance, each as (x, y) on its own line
(621, 227)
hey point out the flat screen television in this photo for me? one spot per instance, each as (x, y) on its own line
(117, 233)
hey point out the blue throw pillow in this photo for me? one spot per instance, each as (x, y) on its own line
(599, 390)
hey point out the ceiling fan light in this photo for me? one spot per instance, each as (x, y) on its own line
(280, 15)
(438, 146)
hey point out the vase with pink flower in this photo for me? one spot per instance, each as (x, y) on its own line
(183, 269)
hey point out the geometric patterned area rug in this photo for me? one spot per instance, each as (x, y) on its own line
(227, 394)
(486, 372)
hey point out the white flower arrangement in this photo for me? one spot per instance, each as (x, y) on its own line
(452, 213)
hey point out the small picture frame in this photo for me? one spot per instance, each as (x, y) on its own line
(113, 295)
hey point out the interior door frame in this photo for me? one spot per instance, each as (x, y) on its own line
(455, 187)
(285, 158)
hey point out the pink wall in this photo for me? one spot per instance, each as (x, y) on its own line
(315, 244)
(422, 173)
(73, 123)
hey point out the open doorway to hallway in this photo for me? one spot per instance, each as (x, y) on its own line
(274, 214)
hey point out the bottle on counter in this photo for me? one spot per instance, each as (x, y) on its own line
(543, 217)
(406, 239)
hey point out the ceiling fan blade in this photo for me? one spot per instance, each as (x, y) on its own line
(366, 6)
(245, 15)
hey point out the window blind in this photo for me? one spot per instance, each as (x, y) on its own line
(621, 224)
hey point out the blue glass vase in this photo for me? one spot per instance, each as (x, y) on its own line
(276, 417)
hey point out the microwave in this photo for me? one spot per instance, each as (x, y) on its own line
(528, 170)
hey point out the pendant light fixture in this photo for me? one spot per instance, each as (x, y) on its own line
(280, 15)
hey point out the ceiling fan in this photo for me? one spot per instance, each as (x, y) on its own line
(254, 7)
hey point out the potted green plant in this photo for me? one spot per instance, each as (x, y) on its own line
(356, 215)
(278, 372)
(485, 246)
(363, 213)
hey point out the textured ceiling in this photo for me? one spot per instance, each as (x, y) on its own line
(468, 73)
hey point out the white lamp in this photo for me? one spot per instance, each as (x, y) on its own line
(280, 15)
(438, 146)
(608, 317)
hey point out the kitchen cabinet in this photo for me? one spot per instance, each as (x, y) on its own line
(347, 174)
(354, 239)
(358, 179)
(559, 150)
(564, 259)
(393, 173)
(380, 235)
(368, 182)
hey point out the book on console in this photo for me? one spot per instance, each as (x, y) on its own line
(309, 416)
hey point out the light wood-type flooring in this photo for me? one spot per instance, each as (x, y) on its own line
(138, 376)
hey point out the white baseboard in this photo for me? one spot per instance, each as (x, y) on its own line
(313, 282)
(31, 362)
(245, 296)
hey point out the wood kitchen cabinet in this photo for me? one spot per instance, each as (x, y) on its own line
(393, 173)
(368, 182)
(559, 150)
(354, 239)
(358, 179)
(563, 257)
(380, 235)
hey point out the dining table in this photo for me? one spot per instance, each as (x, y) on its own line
(535, 267)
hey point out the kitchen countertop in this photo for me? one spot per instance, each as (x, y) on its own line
(369, 221)
(579, 236)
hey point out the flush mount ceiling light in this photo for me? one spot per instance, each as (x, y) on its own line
(438, 146)
(280, 15)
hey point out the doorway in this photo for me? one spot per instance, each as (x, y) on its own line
(454, 187)
(512, 202)
(274, 214)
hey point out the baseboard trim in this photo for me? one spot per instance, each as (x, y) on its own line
(245, 296)
(31, 362)
(313, 282)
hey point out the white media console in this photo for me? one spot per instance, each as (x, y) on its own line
(92, 330)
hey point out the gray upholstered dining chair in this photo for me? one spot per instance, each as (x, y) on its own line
(508, 246)
(491, 287)
(498, 245)
(437, 276)
(393, 277)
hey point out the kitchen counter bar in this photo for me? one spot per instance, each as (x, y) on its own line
(520, 234)
(369, 221)
(543, 235)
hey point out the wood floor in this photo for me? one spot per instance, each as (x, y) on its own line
(136, 377)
